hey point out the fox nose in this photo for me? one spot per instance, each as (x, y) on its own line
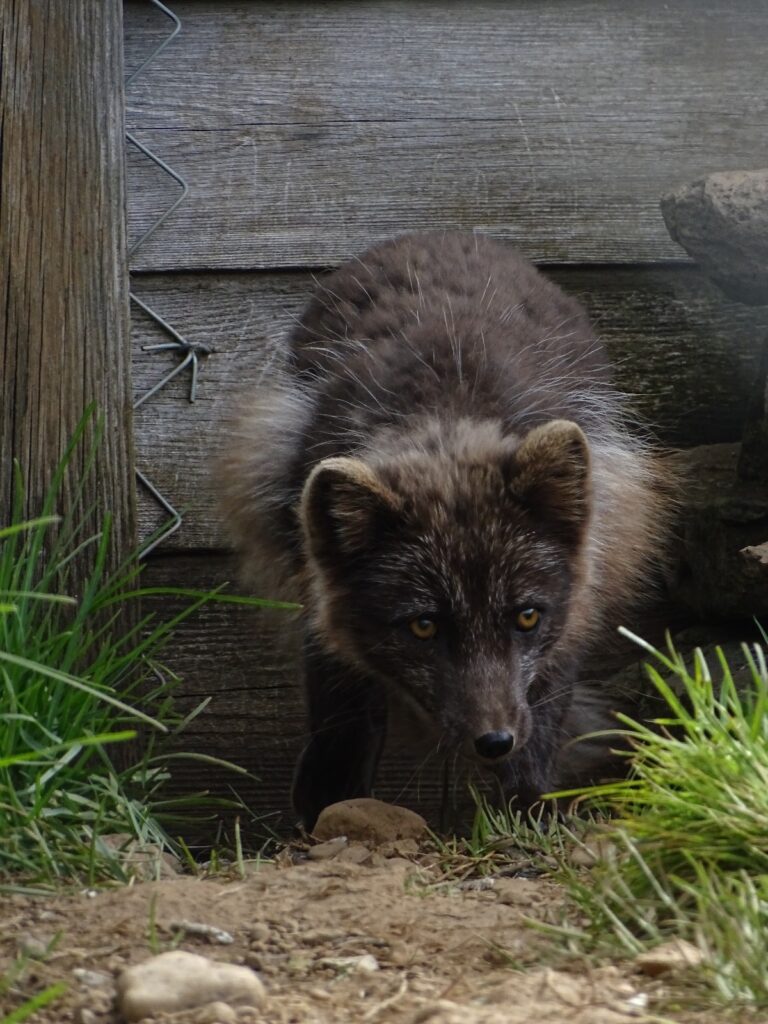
(493, 745)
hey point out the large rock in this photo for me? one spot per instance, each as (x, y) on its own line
(369, 821)
(177, 981)
(722, 221)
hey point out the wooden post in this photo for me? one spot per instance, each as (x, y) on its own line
(64, 319)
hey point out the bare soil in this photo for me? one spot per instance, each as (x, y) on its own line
(436, 949)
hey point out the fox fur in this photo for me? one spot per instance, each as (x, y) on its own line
(443, 451)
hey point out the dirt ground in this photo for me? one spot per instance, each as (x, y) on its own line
(359, 936)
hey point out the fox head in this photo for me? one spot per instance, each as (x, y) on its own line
(450, 571)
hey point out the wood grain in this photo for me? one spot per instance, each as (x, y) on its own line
(306, 131)
(63, 301)
(686, 355)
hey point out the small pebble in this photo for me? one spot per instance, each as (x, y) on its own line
(476, 885)
(591, 852)
(299, 963)
(520, 892)
(638, 1002)
(205, 931)
(675, 955)
(92, 979)
(215, 1013)
(83, 1015)
(259, 932)
(35, 946)
(365, 964)
(319, 993)
(355, 853)
(329, 849)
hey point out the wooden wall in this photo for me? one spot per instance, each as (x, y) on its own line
(306, 131)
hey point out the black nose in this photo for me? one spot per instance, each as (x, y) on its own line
(493, 745)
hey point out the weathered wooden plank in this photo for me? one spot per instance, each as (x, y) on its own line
(297, 197)
(64, 296)
(308, 130)
(685, 353)
(308, 62)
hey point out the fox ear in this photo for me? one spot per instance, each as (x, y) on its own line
(551, 476)
(344, 506)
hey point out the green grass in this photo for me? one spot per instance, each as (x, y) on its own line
(78, 676)
(13, 977)
(686, 854)
(503, 841)
(37, 1002)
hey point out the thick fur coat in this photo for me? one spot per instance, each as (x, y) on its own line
(442, 474)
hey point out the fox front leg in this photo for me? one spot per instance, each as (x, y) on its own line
(347, 717)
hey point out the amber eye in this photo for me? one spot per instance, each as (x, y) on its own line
(423, 628)
(527, 619)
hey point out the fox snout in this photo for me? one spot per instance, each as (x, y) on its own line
(494, 746)
(485, 707)
(493, 735)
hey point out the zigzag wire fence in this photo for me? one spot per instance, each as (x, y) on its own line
(190, 351)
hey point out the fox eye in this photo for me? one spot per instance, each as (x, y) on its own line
(527, 619)
(423, 628)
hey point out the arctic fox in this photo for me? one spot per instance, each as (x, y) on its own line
(443, 477)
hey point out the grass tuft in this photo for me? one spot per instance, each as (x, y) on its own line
(38, 1002)
(686, 854)
(505, 841)
(79, 675)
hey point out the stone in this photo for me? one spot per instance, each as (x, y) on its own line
(92, 979)
(259, 932)
(216, 1013)
(355, 853)
(364, 964)
(722, 221)
(85, 1015)
(517, 892)
(35, 946)
(368, 820)
(146, 861)
(757, 555)
(329, 849)
(204, 931)
(591, 852)
(675, 955)
(177, 980)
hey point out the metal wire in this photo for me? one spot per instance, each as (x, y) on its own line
(190, 351)
(176, 177)
(159, 49)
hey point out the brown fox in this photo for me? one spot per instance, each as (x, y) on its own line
(442, 475)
